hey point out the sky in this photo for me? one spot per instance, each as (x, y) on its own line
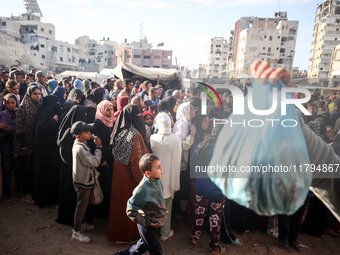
(185, 26)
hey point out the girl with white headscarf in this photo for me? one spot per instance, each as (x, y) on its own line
(167, 147)
(186, 132)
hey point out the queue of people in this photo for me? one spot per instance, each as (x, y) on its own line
(145, 141)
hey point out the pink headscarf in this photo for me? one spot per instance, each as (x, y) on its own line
(101, 109)
(140, 89)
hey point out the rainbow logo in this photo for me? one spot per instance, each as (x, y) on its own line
(209, 93)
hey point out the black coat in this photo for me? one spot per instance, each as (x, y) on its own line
(106, 173)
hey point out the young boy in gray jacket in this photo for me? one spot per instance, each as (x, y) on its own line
(83, 175)
(146, 207)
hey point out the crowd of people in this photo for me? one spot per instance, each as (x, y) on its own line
(129, 119)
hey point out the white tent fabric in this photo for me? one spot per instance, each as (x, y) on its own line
(94, 76)
(87, 75)
(165, 76)
(107, 71)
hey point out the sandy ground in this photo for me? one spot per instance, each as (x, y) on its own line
(27, 229)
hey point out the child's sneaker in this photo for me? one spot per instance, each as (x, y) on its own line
(164, 238)
(273, 232)
(79, 237)
(28, 199)
(87, 226)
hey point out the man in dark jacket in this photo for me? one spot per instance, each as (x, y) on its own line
(195, 98)
(335, 114)
(312, 110)
(322, 116)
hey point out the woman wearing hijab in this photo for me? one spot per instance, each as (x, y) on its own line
(76, 96)
(153, 109)
(27, 115)
(167, 147)
(60, 93)
(46, 168)
(209, 198)
(182, 127)
(95, 97)
(103, 125)
(169, 104)
(184, 130)
(168, 93)
(86, 87)
(121, 103)
(103, 91)
(65, 109)
(140, 89)
(67, 199)
(78, 84)
(128, 141)
(12, 87)
(201, 123)
(8, 163)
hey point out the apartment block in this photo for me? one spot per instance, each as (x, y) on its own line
(26, 40)
(227, 66)
(218, 53)
(326, 36)
(144, 58)
(141, 54)
(265, 39)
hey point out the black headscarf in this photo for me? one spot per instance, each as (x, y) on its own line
(76, 93)
(60, 92)
(131, 114)
(65, 109)
(50, 107)
(199, 136)
(168, 104)
(77, 113)
(96, 96)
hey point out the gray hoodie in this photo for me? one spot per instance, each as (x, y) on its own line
(83, 163)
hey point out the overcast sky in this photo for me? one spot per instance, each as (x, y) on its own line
(185, 26)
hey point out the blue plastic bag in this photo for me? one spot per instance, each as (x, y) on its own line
(240, 148)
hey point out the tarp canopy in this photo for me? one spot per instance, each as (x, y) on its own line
(327, 92)
(107, 71)
(170, 78)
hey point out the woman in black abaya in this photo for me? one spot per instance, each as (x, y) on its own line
(67, 200)
(103, 126)
(46, 170)
(93, 99)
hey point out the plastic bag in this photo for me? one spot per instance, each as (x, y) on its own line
(96, 196)
(281, 189)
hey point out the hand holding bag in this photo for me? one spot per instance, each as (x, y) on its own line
(272, 146)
